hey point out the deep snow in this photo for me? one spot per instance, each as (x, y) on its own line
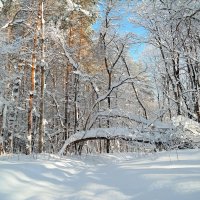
(159, 176)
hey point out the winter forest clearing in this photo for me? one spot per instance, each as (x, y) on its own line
(99, 99)
(162, 176)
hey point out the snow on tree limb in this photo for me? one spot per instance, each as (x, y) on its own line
(71, 6)
(88, 78)
(1, 6)
(105, 96)
(110, 133)
(67, 54)
(13, 21)
(119, 113)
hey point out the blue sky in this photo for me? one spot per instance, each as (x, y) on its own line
(136, 49)
(127, 26)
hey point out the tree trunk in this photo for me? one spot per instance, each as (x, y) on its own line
(41, 123)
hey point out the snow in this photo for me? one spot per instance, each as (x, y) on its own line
(182, 128)
(188, 124)
(114, 132)
(118, 112)
(1, 6)
(67, 54)
(71, 6)
(1, 104)
(128, 176)
(1, 140)
(189, 128)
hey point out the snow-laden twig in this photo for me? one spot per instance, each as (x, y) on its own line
(67, 54)
(105, 96)
(119, 113)
(88, 78)
(71, 6)
(57, 108)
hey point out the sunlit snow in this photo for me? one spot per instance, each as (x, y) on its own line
(160, 176)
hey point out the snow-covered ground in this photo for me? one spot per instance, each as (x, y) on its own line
(159, 176)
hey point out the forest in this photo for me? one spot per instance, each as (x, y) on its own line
(69, 83)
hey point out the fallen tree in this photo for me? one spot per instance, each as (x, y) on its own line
(181, 133)
(114, 133)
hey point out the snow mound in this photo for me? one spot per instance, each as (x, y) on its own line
(189, 128)
(187, 124)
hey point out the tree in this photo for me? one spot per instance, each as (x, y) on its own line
(178, 51)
